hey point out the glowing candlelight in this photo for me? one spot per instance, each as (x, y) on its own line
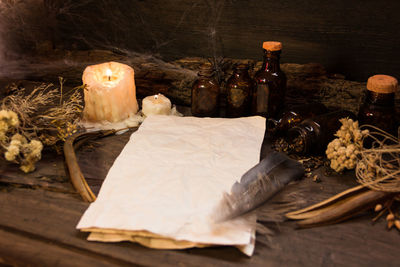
(109, 73)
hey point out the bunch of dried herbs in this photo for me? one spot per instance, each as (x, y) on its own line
(31, 120)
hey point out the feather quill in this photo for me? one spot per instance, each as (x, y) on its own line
(258, 185)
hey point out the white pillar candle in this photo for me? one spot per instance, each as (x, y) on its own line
(110, 93)
(156, 105)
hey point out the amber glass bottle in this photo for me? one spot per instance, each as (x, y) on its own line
(205, 93)
(313, 135)
(293, 116)
(239, 88)
(270, 89)
(378, 108)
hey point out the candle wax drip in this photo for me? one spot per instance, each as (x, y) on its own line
(111, 94)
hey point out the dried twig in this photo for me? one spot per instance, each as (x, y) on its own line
(71, 144)
(344, 209)
(379, 167)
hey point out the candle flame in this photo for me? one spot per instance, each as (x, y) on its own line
(109, 73)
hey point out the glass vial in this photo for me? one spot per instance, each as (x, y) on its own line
(312, 136)
(239, 88)
(378, 108)
(270, 89)
(293, 116)
(205, 93)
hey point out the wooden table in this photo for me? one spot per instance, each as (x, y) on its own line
(39, 213)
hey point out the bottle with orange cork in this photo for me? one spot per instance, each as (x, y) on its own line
(270, 89)
(378, 108)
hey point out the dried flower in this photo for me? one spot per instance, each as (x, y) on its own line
(9, 117)
(12, 152)
(27, 167)
(343, 151)
(13, 118)
(18, 137)
(64, 133)
(2, 136)
(32, 153)
(3, 114)
(3, 126)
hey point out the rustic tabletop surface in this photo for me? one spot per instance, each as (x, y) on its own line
(39, 212)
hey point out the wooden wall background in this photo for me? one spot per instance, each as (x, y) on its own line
(354, 38)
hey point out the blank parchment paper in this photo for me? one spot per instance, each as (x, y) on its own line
(172, 174)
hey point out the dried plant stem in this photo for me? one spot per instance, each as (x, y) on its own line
(297, 214)
(379, 167)
(77, 178)
(344, 210)
(379, 215)
(71, 144)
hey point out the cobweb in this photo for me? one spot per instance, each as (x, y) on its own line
(32, 28)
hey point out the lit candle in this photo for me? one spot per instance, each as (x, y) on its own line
(156, 105)
(110, 93)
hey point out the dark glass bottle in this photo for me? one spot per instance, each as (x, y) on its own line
(270, 89)
(239, 88)
(293, 116)
(313, 135)
(378, 108)
(205, 94)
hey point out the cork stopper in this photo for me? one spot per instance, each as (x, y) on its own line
(384, 84)
(272, 46)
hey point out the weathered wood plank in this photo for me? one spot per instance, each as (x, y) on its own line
(40, 182)
(53, 216)
(18, 249)
(50, 174)
(39, 213)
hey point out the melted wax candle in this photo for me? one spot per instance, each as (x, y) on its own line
(110, 93)
(156, 105)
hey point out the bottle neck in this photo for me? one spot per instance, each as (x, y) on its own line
(380, 98)
(271, 61)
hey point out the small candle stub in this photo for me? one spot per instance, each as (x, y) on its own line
(156, 105)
